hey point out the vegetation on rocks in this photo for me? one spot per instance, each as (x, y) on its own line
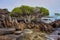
(27, 10)
(24, 19)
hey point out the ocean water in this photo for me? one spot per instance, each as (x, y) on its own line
(55, 18)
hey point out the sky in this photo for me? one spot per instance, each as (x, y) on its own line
(52, 5)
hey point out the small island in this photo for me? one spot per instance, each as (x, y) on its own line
(27, 23)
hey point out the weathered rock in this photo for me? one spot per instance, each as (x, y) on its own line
(5, 38)
(30, 35)
(7, 31)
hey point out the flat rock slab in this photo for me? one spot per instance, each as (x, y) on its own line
(13, 36)
(5, 38)
(6, 30)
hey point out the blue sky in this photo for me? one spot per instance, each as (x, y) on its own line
(52, 5)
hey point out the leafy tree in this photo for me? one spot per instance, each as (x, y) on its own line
(11, 14)
(5, 10)
(23, 10)
(26, 9)
(16, 12)
(43, 10)
(57, 14)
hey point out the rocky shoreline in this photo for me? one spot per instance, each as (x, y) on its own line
(37, 29)
(23, 28)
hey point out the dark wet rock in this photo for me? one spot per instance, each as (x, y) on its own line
(58, 38)
(56, 24)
